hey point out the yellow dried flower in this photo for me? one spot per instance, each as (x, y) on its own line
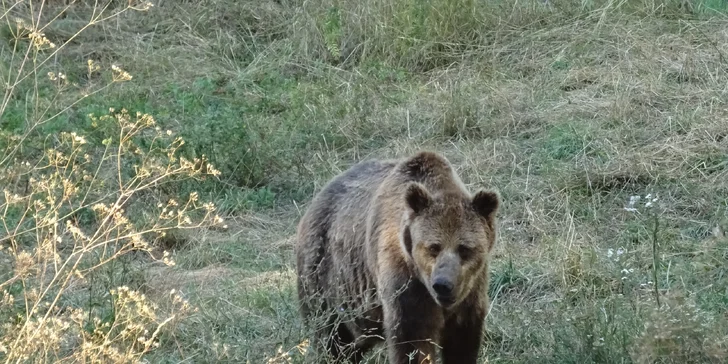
(119, 75)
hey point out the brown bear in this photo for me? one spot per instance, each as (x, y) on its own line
(397, 251)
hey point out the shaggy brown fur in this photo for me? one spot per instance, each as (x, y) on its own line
(397, 251)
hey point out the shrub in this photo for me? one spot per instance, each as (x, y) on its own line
(71, 208)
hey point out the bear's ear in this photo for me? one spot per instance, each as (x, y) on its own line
(486, 203)
(417, 197)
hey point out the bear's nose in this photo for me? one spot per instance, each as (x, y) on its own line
(442, 287)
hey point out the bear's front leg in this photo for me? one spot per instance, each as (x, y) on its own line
(463, 333)
(412, 324)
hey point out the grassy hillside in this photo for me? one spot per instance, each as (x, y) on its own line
(571, 110)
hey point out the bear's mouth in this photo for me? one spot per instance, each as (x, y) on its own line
(445, 301)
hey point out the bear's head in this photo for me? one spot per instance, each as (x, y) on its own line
(447, 238)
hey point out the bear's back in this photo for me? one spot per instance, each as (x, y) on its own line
(332, 233)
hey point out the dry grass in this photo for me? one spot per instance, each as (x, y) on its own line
(567, 108)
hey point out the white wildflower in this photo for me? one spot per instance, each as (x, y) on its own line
(632, 201)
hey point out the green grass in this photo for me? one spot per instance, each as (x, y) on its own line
(567, 108)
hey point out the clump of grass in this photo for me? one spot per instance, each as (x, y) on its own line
(414, 34)
(680, 332)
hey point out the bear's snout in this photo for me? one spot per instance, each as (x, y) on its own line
(442, 287)
(444, 281)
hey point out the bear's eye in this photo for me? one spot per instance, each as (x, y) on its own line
(465, 252)
(434, 249)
